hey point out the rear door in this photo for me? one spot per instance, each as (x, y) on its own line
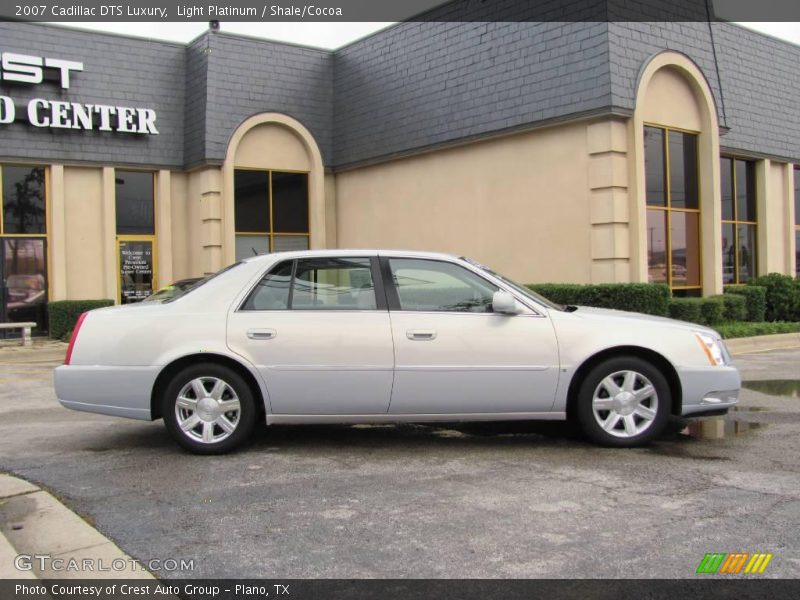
(318, 331)
(453, 355)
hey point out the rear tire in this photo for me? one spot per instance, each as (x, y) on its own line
(623, 402)
(208, 409)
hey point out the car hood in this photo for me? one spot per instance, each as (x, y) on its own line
(591, 312)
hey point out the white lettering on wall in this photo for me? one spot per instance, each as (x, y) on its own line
(59, 114)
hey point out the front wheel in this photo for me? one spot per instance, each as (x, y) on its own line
(623, 402)
(208, 409)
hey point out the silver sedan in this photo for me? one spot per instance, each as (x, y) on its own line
(386, 336)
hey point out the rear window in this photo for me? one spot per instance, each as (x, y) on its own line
(202, 282)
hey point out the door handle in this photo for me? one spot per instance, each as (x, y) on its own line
(261, 334)
(421, 335)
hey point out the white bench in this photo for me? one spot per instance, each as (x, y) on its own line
(26, 330)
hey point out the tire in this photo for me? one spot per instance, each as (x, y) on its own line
(623, 402)
(202, 425)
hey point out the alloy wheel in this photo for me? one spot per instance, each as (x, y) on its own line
(625, 404)
(207, 410)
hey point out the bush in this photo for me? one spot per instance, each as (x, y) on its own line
(686, 309)
(746, 329)
(755, 300)
(735, 307)
(783, 296)
(64, 314)
(648, 298)
(705, 311)
(712, 310)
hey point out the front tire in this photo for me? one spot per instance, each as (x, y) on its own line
(208, 409)
(623, 402)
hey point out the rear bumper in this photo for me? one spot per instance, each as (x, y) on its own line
(709, 389)
(116, 391)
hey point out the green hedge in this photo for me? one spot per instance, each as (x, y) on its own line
(705, 311)
(746, 329)
(735, 307)
(648, 298)
(64, 314)
(783, 296)
(755, 299)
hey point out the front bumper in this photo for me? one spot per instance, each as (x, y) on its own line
(116, 391)
(709, 389)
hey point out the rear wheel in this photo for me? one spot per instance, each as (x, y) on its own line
(208, 409)
(623, 402)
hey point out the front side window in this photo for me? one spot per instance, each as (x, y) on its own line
(738, 220)
(673, 209)
(270, 212)
(429, 285)
(316, 284)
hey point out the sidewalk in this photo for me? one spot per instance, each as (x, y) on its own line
(33, 523)
(44, 350)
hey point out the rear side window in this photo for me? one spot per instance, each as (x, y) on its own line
(316, 284)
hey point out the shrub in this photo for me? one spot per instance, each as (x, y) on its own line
(734, 330)
(705, 311)
(712, 310)
(735, 307)
(755, 300)
(783, 296)
(65, 313)
(686, 309)
(648, 298)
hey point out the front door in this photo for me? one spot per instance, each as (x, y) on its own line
(453, 355)
(319, 333)
(23, 268)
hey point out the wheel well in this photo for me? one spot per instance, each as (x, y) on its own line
(172, 369)
(649, 355)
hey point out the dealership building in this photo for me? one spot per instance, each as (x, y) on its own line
(551, 151)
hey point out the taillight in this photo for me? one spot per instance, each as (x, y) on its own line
(74, 337)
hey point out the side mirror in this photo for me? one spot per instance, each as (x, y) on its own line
(505, 303)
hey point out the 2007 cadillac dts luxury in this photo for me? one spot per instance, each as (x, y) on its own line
(386, 336)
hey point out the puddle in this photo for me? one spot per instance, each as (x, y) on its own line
(719, 428)
(789, 388)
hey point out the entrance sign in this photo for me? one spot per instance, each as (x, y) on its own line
(135, 270)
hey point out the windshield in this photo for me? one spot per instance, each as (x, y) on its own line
(182, 293)
(525, 291)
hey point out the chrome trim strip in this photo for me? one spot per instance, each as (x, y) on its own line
(327, 367)
(273, 419)
(472, 368)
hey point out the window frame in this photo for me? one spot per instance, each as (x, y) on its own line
(271, 234)
(735, 222)
(393, 297)
(137, 237)
(796, 224)
(668, 209)
(375, 272)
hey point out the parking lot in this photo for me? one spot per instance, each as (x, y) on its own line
(502, 500)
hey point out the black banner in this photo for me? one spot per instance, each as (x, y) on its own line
(738, 587)
(396, 10)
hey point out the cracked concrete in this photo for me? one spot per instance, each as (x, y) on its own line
(488, 500)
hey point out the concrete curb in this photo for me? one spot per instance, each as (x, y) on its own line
(762, 343)
(35, 523)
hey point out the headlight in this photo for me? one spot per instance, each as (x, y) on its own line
(713, 349)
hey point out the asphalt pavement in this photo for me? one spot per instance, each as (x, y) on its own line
(499, 500)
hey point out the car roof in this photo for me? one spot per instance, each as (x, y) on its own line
(335, 253)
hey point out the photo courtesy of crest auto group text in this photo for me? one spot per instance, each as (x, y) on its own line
(428, 299)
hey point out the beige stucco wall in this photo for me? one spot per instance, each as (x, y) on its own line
(272, 145)
(669, 100)
(83, 225)
(518, 203)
